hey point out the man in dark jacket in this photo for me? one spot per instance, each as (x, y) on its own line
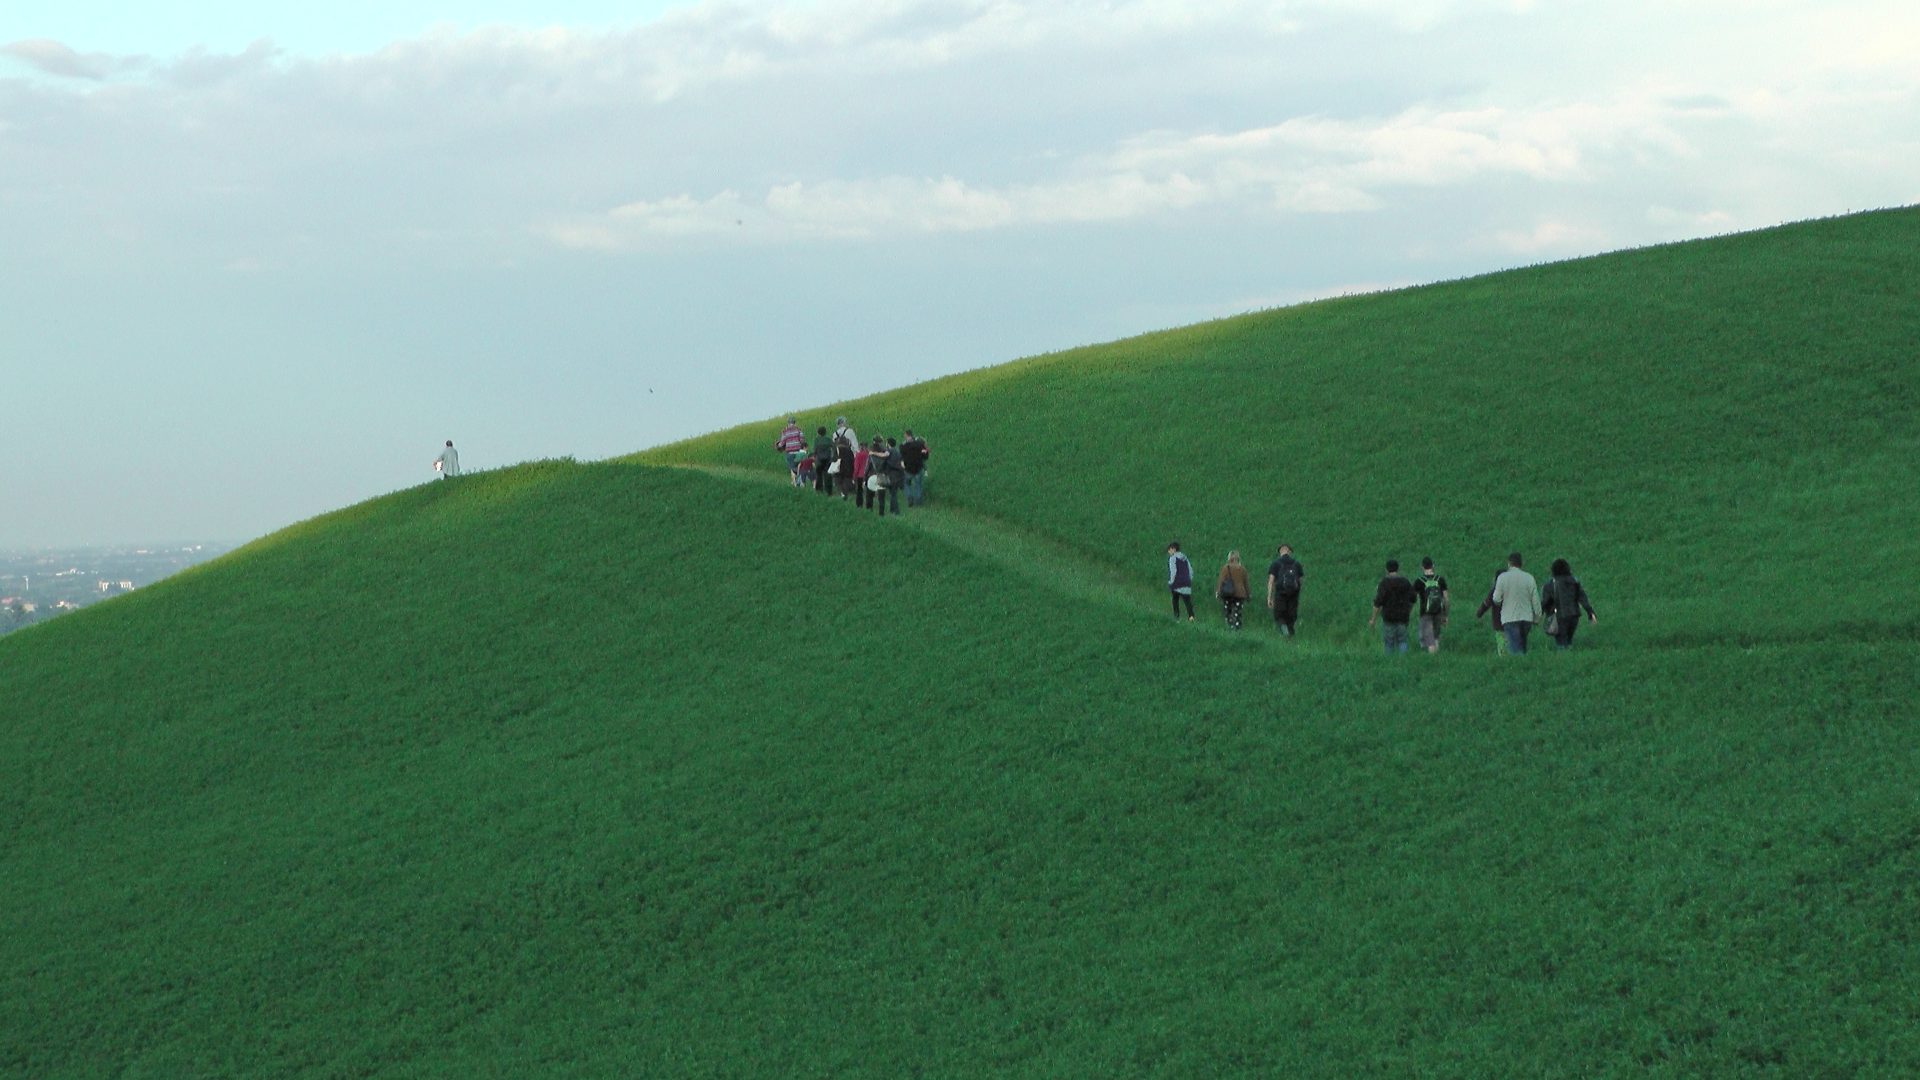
(1283, 590)
(1393, 603)
(822, 457)
(914, 455)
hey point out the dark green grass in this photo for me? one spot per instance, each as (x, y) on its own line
(617, 770)
(760, 793)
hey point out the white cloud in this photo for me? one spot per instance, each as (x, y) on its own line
(54, 58)
(1312, 165)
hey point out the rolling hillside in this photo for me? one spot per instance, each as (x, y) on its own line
(653, 767)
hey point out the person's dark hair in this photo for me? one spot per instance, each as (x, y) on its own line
(908, 433)
(1513, 559)
(1283, 549)
(1173, 545)
(823, 429)
(1561, 569)
(1426, 562)
(892, 442)
(449, 442)
(1393, 566)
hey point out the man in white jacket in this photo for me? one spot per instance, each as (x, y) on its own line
(1518, 595)
(448, 463)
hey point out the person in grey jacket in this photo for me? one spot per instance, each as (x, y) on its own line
(1518, 595)
(448, 463)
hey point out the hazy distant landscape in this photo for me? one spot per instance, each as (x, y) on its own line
(39, 585)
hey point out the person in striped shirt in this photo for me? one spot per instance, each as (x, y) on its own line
(793, 443)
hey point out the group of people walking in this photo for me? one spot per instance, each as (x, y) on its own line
(1233, 588)
(874, 474)
(1516, 600)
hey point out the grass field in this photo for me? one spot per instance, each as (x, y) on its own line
(631, 768)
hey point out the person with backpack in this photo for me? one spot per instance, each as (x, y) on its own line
(1565, 598)
(1179, 580)
(1232, 589)
(792, 444)
(1283, 590)
(822, 458)
(913, 456)
(842, 467)
(1393, 601)
(1432, 589)
(1518, 595)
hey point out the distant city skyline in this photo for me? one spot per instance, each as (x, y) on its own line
(264, 262)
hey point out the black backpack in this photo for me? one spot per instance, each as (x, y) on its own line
(1288, 580)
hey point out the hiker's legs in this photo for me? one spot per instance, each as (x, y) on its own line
(1286, 609)
(1564, 639)
(1517, 637)
(915, 492)
(1393, 637)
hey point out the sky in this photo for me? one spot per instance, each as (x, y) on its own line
(260, 261)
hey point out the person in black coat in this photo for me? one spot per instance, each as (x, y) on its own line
(1564, 598)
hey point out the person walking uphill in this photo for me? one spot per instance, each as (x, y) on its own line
(1490, 605)
(1283, 590)
(1433, 605)
(793, 444)
(1179, 580)
(913, 455)
(448, 463)
(1565, 599)
(842, 466)
(1393, 602)
(878, 458)
(822, 459)
(896, 474)
(1232, 589)
(1518, 595)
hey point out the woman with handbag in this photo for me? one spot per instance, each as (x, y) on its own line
(1232, 589)
(1564, 598)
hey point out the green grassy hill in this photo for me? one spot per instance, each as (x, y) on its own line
(638, 769)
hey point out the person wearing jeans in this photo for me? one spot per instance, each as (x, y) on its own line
(1393, 602)
(913, 456)
(1518, 595)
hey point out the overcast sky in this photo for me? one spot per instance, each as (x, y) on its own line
(259, 265)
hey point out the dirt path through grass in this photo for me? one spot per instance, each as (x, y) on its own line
(1042, 560)
(1071, 572)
